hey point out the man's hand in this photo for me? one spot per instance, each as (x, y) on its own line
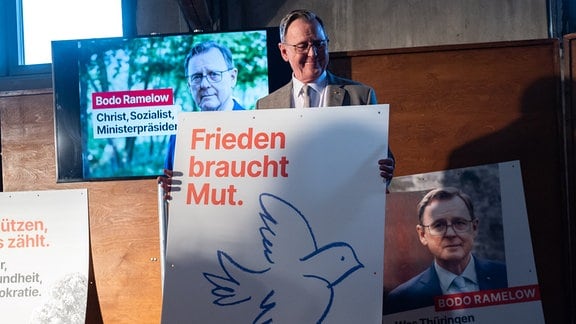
(386, 167)
(168, 183)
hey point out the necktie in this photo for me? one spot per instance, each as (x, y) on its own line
(459, 284)
(306, 96)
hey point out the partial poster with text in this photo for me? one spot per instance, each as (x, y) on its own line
(44, 255)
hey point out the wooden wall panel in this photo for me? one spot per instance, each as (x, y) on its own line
(125, 271)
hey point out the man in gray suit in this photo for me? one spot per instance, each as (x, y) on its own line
(304, 45)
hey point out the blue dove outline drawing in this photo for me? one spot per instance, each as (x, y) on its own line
(280, 234)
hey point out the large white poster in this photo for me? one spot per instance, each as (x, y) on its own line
(485, 236)
(43, 256)
(279, 217)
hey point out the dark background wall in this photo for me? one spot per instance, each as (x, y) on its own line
(366, 24)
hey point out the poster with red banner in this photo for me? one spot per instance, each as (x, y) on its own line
(118, 114)
(116, 100)
(458, 248)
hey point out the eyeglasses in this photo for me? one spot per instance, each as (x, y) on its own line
(439, 228)
(303, 48)
(212, 77)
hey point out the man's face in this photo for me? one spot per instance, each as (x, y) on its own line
(307, 66)
(209, 94)
(451, 250)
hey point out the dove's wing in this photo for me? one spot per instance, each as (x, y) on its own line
(286, 233)
(227, 288)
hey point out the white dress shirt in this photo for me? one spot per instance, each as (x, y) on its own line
(316, 92)
(447, 278)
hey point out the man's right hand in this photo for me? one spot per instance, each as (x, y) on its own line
(168, 183)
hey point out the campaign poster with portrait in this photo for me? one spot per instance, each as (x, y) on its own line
(278, 217)
(502, 282)
(132, 89)
(44, 256)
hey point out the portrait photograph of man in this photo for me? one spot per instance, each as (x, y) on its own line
(447, 239)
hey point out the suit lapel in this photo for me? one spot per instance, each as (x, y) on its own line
(484, 275)
(284, 96)
(430, 282)
(334, 91)
(335, 95)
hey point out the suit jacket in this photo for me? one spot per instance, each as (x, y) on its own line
(420, 291)
(340, 92)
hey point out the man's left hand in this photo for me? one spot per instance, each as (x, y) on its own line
(386, 167)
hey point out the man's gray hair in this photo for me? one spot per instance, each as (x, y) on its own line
(205, 47)
(298, 14)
